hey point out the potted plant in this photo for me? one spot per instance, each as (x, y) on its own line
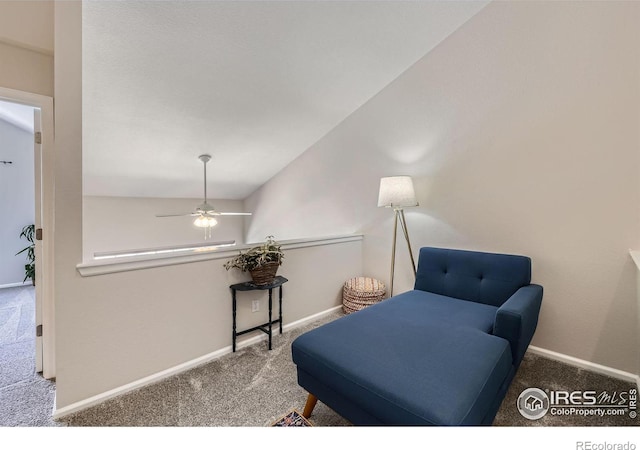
(28, 233)
(261, 262)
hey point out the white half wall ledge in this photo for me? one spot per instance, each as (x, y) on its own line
(104, 267)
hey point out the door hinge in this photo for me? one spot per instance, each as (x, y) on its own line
(38, 234)
(38, 137)
(39, 331)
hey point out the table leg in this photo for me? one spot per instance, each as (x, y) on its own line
(233, 295)
(280, 309)
(270, 315)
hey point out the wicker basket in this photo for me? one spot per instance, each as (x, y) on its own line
(361, 292)
(264, 274)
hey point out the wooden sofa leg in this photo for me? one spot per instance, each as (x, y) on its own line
(308, 407)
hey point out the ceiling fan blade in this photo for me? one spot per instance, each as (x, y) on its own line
(205, 209)
(177, 215)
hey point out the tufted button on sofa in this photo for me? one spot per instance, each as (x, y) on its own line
(443, 353)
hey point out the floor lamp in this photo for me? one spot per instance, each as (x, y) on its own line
(398, 193)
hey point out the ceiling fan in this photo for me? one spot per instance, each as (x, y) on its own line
(205, 214)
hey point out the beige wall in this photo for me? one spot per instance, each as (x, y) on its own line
(68, 198)
(521, 133)
(27, 24)
(26, 70)
(26, 46)
(118, 328)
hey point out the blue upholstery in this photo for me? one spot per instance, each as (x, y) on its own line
(517, 319)
(403, 372)
(444, 353)
(426, 308)
(488, 278)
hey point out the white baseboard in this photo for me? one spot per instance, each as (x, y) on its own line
(96, 399)
(308, 319)
(10, 285)
(577, 362)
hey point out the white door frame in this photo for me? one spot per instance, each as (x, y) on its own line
(45, 276)
(39, 256)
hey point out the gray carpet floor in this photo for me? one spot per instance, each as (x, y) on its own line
(26, 399)
(254, 387)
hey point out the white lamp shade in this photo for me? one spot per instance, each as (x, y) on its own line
(397, 192)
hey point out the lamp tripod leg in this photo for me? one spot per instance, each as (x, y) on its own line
(393, 252)
(403, 224)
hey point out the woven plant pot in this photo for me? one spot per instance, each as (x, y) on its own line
(264, 274)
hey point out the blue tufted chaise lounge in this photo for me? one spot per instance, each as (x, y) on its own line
(444, 353)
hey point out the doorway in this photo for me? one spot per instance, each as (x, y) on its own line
(26, 222)
(20, 348)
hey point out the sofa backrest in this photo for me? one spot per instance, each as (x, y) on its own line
(489, 278)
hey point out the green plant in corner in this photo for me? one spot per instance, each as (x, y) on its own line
(28, 232)
(258, 256)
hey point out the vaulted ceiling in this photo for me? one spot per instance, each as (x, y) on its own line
(253, 83)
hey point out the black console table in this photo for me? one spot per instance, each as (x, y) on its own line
(249, 286)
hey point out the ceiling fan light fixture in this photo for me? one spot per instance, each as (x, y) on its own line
(205, 222)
